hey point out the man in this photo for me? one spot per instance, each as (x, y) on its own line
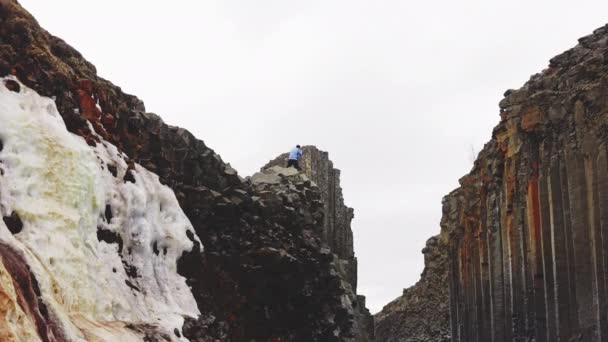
(294, 155)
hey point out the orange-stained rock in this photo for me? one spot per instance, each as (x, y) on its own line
(86, 86)
(531, 118)
(15, 324)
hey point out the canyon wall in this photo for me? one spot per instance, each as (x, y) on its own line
(524, 239)
(336, 230)
(528, 228)
(117, 226)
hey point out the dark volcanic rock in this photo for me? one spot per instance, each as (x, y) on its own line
(528, 244)
(263, 275)
(335, 229)
(525, 233)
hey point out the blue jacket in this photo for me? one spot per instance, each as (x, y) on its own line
(295, 154)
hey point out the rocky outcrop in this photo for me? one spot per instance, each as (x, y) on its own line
(528, 227)
(335, 230)
(422, 313)
(138, 200)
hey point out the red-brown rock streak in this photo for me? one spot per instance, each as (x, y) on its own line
(528, 226)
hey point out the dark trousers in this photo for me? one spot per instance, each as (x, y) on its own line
(293, 163)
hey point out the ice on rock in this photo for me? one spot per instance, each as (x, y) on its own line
(63, 192)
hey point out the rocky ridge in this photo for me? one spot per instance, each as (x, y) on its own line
(246, 238)
(335, 230)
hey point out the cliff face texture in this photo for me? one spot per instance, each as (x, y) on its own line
(528, 227)
(524, 239)
(422, 313)
(336, 230)
(118, 227)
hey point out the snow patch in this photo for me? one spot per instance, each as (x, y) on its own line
(65, 192)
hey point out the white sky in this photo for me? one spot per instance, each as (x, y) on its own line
(399, 92)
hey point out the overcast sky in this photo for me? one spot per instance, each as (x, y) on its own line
(399, 92)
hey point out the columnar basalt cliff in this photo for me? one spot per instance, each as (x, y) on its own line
(529, 225)
(106, 210)
(336, 230)
(526, 232)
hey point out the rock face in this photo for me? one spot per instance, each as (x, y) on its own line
(336, 230)
(528, 227)
(422, 313)
(106, 210)
(526, 233)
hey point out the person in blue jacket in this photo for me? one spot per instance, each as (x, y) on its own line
(294, 155)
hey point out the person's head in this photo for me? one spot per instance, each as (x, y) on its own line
(298, 146)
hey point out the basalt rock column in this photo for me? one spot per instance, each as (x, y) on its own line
(525, 236)
(529, 225)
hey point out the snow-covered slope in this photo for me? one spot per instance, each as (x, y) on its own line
(101, 239)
